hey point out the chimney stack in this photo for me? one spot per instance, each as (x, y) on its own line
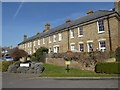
(47, 26)
(117, 6)
(90, 11)
(25, 37)
(38, 33)
(68, 20)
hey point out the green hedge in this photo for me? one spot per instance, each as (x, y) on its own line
(108, 67)
(5, 65)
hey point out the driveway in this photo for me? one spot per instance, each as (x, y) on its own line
(11, 80)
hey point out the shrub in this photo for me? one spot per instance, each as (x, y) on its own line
(108, 67)
(6, 64)
(117, 54)
(41, 54)
(18, 53)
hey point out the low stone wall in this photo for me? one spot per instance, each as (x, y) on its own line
(74, 64)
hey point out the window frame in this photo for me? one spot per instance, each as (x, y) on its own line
(43, 40)
(100, 48)
(60, 36)
(50, 39)
(102, 26)
(80, 28)
(38, 42)
(54, 38)
(80, 48)
(71, 33)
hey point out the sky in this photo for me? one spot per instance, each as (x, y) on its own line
(19, 18)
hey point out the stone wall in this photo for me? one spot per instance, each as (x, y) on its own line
(74, 64)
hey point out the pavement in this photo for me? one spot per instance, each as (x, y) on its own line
(11, 80)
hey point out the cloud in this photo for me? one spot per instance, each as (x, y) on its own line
(18, 10)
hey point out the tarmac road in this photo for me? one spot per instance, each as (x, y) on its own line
(11, 80)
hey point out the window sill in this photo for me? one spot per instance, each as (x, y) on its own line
(101, 32)
(80, 35)
(71, 37)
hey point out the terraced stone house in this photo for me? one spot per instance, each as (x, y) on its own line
(98, 30)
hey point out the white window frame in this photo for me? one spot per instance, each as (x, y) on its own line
(34, 43)
(43, 41)
(38, 42)
(83, 47)
(102, 48)
(60, 36)
(54, 38)
(50, 49)
(25, 45)
(72, 33)
(72, 44)
(30, 44)
(88, 45)
(49, 39)
(98, 27)
(56, 48)
(79, 31)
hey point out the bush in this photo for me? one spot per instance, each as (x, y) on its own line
(117, 54)
(6, 64)
(40, 54)
(108, 67)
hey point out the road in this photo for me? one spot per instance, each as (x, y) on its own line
(11, 80)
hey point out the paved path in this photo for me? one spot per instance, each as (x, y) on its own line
(11, 80)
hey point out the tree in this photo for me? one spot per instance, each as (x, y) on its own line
(41, 53)
(18, 53)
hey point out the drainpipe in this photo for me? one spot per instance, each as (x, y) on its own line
(109, 32)
(68, 40)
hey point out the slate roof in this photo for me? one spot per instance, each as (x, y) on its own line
(84, 19)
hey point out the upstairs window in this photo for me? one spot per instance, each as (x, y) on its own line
(30, 44)
(38, 42)
(102, 46)
(43, 41)
(60, 36)
(54, 38)
(49, 39)
(72, 33)
(34, 43)
(100, 26)
(80, 31)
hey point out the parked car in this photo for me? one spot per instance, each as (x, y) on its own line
(8, 58)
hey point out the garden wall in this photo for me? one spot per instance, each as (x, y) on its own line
(74, 64)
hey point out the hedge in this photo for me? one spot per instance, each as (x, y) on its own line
(5, 65)
(108, 67)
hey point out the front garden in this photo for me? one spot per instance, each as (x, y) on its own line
(96, 59)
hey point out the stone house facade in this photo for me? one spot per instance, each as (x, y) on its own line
(98, 30)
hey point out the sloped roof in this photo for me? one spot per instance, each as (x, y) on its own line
(84, 19)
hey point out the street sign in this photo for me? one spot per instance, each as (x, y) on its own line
(24, 65)
(67, 62)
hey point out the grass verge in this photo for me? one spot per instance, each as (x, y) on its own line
(60, 71)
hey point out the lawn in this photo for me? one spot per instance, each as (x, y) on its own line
(60, 71)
